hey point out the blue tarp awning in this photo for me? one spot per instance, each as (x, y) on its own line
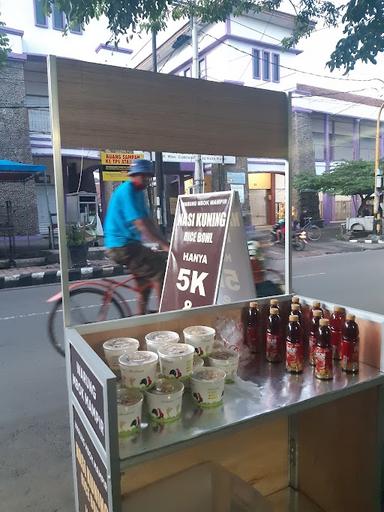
(11, 166)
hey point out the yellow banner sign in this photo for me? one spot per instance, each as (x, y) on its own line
(259, 181)
(115, 176)
(117, 158)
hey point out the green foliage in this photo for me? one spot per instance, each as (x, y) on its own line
(362, 19)
(79, 234)
(346, 178)
(4, 46)
(363, 34)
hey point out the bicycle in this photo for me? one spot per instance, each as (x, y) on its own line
(93, 301)
(313, 231)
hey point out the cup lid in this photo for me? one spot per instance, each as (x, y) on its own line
(176, 349)
(138, 358)
(224, 354)
(199, 330)
(209, 374)
(162, 337)
(166, 387)
(121, 344)
(129, 396)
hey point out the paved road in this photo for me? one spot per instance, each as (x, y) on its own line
(35, 469)
(354, 279)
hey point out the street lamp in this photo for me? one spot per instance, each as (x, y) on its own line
(378, 179)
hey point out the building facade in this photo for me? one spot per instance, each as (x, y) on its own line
(25, 132)
(328, 125)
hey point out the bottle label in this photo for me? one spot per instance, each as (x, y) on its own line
(312, 346)
(252, 338)
(323, 363)
(336, 337)
(294, 357)
(349, 356)
(273, 348)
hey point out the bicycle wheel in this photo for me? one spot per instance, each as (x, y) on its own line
(86, 307)
(314, 232)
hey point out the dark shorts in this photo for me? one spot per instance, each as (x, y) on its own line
(142, 262)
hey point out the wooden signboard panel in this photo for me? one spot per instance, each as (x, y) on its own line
(109, 107)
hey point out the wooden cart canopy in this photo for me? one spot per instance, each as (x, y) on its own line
(110, 107)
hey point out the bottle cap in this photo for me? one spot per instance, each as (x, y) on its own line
(293, 318)
(295, 307)
(324, 321)
(253, 305)
(295, 299)
(273, 311)
(339, 309)
(351, 317)
(318, 313)
(315, 304)
(274, 302)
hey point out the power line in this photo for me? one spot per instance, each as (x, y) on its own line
(299, 70)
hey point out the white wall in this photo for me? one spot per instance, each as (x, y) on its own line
(231, 60)
(45, 41)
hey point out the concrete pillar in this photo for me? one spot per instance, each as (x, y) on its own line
(303, 159)
(328, 199)
(15, 145)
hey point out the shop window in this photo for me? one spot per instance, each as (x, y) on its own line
(265, 65)
(40, 17)
(275, 67)
(76, 28)
(58, 19)
(256, 63)
(202, 68)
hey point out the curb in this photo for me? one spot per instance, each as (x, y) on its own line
(54, 276)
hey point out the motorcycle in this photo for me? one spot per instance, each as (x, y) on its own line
(299, 237)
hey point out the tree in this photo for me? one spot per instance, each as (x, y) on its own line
(4, 46)
(362, 19)
(346, 178)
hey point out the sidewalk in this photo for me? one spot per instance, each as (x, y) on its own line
(32, 272)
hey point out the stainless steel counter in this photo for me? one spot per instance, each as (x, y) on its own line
(263, 390)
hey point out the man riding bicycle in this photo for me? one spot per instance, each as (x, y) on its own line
(126, 222)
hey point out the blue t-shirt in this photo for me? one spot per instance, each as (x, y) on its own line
(126, 205)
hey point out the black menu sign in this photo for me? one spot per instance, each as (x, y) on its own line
(89, 393)
(91, 473)
(196, 253)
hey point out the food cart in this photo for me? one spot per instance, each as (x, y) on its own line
(305, 445)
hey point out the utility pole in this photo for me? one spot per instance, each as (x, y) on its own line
(198, 176)
(160, 196)
(377, 210)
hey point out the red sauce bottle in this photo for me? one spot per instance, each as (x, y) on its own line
(350, 346)
(313, 335)
(323, 352)
(296, 310)
(336, 324)
(295, 299)
(274, 303)
(252, 339)
(315, 307)
(294, 358)
(273, 343)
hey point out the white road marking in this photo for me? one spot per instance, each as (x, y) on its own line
(45, 313)
(309, 275)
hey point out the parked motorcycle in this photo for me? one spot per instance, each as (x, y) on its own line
(299, 237)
